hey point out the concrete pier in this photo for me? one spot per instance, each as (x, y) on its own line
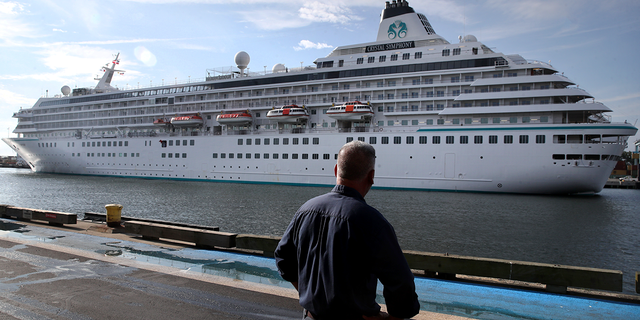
(87, 271)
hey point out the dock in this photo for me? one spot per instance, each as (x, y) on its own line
(88, 270)
(618, 184)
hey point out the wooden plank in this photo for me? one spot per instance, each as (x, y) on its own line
(52, 217)
(549, 274)
(201, 237)
(266, 244)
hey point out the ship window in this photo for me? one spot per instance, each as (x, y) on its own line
(223, 155)
(456, 51)
(257, 141)
(240, 141)
(524, 138)
(247, 156)
(239, 156)
(82, 144)
(178, 142)
(493, 139)
(340, 63)
(513, 120)
(591, 138)
(276, 141)
(170, 143)
(574, 157)
(405, 56)
(126, 143)
(294, 156)
(177, 155)
(418, 55)
(464, 139)
(316, 140)
(266, 141)
(592, 157)
(449, 139)
(305, 156)
(558, 157)
(326, 156)
(508, 139)
(360, 60)
(409, 139)
(285, 141)
(574, 138)
(314, 156)
(170, 155)
(445, 52)
(371, 60)
(372, 140)
(385, 140)
(275, 156)
(230, 155)
(215, 156)
(184, 155)
(455, 121)
(422, 139)
(265, 155)
(192, 142)
(104, 143)
(285, 156)
(477, 139)
(397, 140)
(544, 119)
(559, 138)
(382, 58)
(249, 141)
(93, 144)
(256, 155)
(109, 144)
(394, 57)
(435, 139)
(184, 142)
(305, 140)
(540, 138)
(361, 139)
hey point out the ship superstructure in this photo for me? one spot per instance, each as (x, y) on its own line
(442, 116)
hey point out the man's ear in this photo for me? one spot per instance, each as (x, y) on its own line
(370, 176)
(335, 170)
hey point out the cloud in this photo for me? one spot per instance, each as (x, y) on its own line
(306, 44)
(322, 12)
(10, 24)
(59, 30)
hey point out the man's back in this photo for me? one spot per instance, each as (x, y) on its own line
(336, 248)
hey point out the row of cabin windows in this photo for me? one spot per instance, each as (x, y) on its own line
(493, 139)
(415, 122)
(105, 144)
(294, 156)
(586, 157)
(110, 154)
(276, 141)
(173, 155)
(372, 59)
(177, 143)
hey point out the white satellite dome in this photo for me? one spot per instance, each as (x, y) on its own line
(469, 38)
(279, 67)
(65, 90)
(242, 59)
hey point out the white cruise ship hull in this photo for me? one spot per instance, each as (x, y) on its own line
(502, 168)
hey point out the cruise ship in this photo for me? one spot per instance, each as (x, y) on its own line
(442, 116)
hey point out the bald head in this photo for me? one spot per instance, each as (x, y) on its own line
(355, 160)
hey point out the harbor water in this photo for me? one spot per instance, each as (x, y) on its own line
(599, 231)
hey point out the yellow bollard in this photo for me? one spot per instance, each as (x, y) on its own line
(113, 215)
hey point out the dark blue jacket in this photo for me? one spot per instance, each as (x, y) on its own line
(336, 248)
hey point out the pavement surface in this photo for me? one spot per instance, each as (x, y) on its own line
(84, 271)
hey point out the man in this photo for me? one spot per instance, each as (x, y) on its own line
(337, 247)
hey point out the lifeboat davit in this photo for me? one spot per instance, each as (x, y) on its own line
(234, 118)
(354, 110)
(160, 122)
(192, 120)
(289, 114)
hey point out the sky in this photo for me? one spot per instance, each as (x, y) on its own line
(46, 44)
